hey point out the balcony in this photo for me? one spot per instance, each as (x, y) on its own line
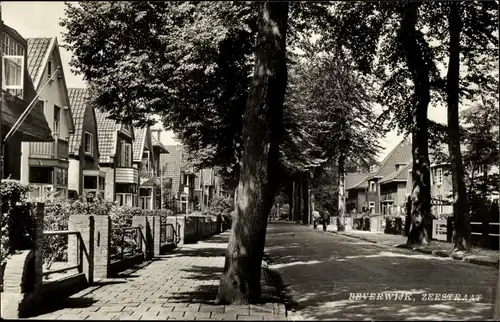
(127, 175)
(47, 150)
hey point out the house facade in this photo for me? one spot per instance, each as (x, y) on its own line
(45, 164)
(147, 153)
(121, 183)
(205, 188)
(355, 187)
(158, 150)
(84, 174)
(393, 191)
(17, 93)
(182, 177)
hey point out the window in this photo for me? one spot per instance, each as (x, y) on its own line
(371, 206)
(57, 119)
(126, 155)
(41, 175)
(146, 198)
(185, 180)
(13, 76)
(439, 176)
(439, 205)
(89, 143)
(89, 182)
(62, 176)
(11, 46)
(49, 69)
(373, 186)
(145, 160)
(124, 199)
(373, 168)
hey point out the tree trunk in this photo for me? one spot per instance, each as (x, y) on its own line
(298, 198)
(461, 230)
(340, 177)
(421, 195)
(305, 197)
(259, 171)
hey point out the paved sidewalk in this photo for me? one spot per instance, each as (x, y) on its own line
(180, 285)
(479, 256)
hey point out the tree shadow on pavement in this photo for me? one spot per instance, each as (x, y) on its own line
(328, 278)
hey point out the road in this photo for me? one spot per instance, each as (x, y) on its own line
(328, 276)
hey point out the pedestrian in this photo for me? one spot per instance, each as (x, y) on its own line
(316, 217)
(326, 219)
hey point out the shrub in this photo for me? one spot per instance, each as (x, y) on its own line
(222, 208)
(14, 195)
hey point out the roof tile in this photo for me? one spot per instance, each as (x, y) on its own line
(37, 50)
(106, 129)
(78, 105)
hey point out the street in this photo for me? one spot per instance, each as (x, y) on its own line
(324, 270)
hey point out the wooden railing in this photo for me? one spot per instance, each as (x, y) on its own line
(47, 149)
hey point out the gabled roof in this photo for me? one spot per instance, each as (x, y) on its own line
(39, 52)
(401, 154)
(400, 175)
(106, 134)
(78, 106)
(355, 180)
(139, 142)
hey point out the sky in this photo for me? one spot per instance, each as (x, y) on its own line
(41, 19)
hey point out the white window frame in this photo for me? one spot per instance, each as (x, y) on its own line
(57, 122)
(121, 198)
(4, 83)
(148, 201)
(373, 186)
(91, 152)
(439, 176)
(148, 160)
(371, 205)
(41, 188)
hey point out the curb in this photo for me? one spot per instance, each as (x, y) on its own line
(435, 253)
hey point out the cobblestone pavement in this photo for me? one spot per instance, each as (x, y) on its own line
(180, 285)
(334, 277)
(478, 256)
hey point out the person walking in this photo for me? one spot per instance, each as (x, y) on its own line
(316, 217)
(326, 219)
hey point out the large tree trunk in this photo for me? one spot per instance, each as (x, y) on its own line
(259, 171)
(461, 231)
(305, 197)
(421, 195)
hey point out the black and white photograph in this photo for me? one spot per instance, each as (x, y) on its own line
(250, 160)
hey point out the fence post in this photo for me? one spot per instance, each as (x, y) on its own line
(156, 223)
(85, 226)
(102, 246)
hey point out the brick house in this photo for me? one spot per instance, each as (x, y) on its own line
(356, 186)
(84, 174)
(182, 176)
(116, 160)
(17, 93)
(45, 164)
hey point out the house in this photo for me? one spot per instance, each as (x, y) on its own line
(441, 184)
(45, 164)
(116, 160)
(147, 150)
(18, 92)
(182, 177)
(393, 190)
(84, 174)
(158, 150)
(355, 187)
(205, 188)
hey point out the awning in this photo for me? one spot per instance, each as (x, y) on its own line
(34, 128)
(94, 173)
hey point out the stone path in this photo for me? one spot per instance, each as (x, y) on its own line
(180, 285)
(479, 256)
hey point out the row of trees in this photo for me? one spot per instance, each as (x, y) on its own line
(227, 79)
